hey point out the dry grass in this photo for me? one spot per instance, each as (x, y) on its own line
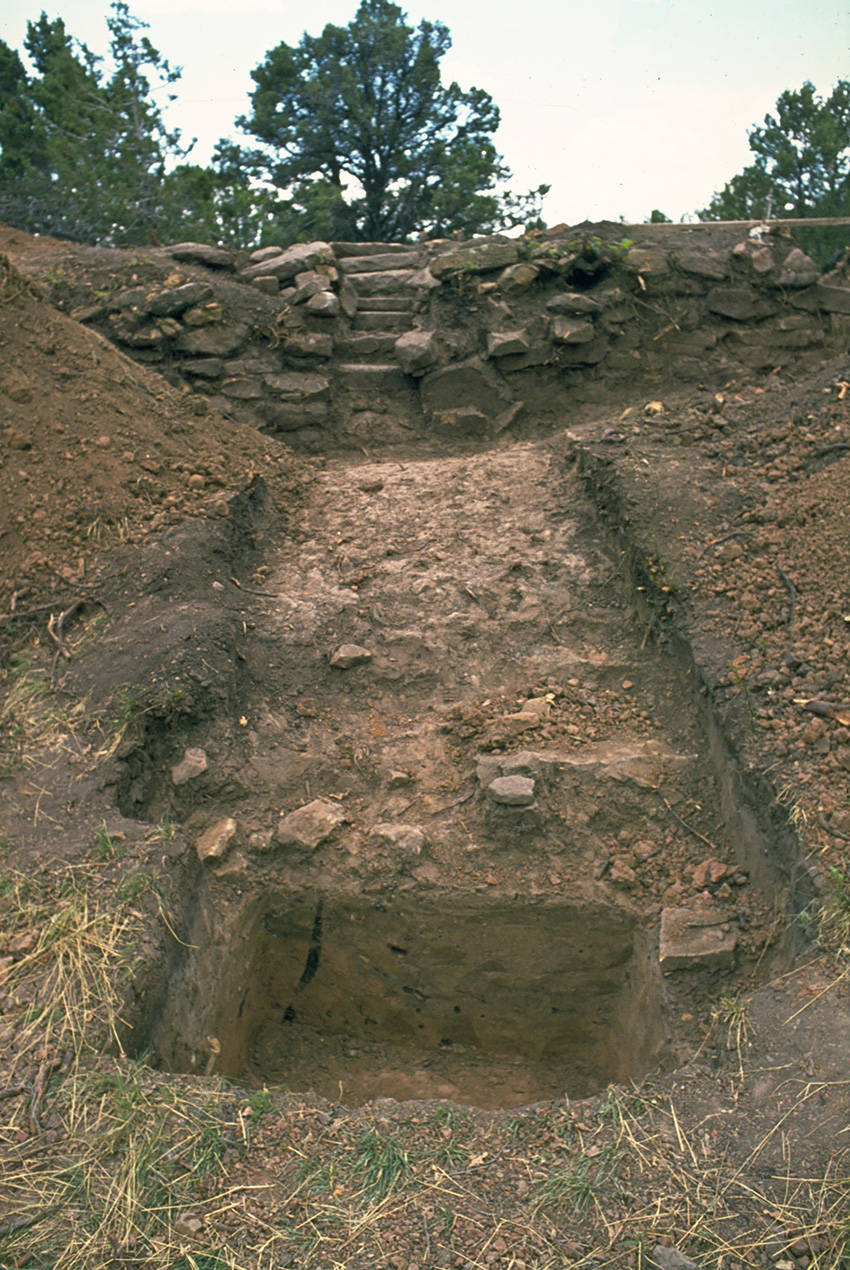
(110, 1163)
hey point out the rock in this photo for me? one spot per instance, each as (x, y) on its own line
(380, 261)
(516, 279)
(205, 368)
(309, 825)
(506, 418)
(703, 264)
(192, 764)
(833, 299)
(503, 343)
(671, 1259)
(176, 299)
(268, 285)
(202, 254)
(470, 383)
(215, 840)
(573, 302)
(299, 389)
(309, 344)
(264, 253)
(386, 282)
(695, 939)
(203, 314)
(512, 791)
(796, 270)
(525, 763)
(646, 260)
(235, 863)
(294, 260)
(571, 331)
(406, 839)
(740, 303)
(475, 258)
(188, 1225)
(468, 421)
(348, 298)
(416, 351)
(307, 285)
(323, 304)
(17, 388)
(348, 655)
(213, 341)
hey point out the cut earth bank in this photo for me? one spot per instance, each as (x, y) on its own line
(476, 771)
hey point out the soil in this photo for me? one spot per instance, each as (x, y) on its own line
(640, 615)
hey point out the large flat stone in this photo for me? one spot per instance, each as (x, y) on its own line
(695, 939)
(372, 264)
(476, 258)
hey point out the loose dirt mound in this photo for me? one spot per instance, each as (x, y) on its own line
(390, 777)
(97, 450)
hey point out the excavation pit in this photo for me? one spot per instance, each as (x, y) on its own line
(487, 1005)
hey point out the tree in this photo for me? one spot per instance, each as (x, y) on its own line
(82, 153)
(366, 140)
(801, 166)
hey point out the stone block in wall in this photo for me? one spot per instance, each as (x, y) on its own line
(298, 388)
(584, 354)
(289, 416)
(475, 258)
(204, 368)
(385, 282)
(308, 284)
(503, 343)
(703, 264)
(269, 285)
(803, 337)
(348, 298)
(202, 254)
(517, 279)
(264, 253)
(416, 351)
(575, 303)
(204, 314)
(538, 354)
(740, 303)
(308, 344)
(471, 384)
(833, 299)
(294, 260)
(572, 330)
(796, 270)
(175, 300)
(380, 261)
(213, 341)
(646, 260)
(242, 389)
(323, 304)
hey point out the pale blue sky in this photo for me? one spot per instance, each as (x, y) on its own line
(620, 105)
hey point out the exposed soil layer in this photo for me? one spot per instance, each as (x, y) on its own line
(484, 772)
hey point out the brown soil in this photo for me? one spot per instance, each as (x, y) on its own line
(645, 613)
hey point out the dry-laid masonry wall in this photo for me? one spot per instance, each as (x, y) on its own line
(347, 342)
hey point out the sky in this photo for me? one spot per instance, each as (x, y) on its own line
(622, 106)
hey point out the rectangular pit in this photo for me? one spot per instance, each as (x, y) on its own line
(492, 1006)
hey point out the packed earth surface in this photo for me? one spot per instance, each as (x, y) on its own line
(423, 842)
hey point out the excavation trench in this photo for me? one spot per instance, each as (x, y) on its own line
(490, 1005)
(459, 831)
